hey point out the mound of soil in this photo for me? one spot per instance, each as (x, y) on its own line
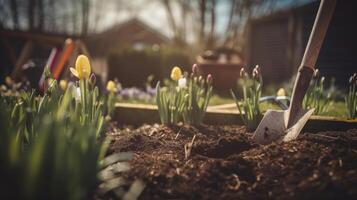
(222, 162)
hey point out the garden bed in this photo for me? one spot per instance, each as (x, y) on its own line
(225, 164)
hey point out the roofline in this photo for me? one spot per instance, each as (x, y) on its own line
(281, 13)
(129, 21)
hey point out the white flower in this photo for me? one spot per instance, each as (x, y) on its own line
(182, 82)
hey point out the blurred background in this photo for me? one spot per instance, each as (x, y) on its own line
(137, 42)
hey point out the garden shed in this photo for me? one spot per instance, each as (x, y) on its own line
(276, 42)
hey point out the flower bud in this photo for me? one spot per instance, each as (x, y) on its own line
(200, 78)
(83, 68)
(182, 82)
(63, 84)
(255, 72)
(281, 92)
(209, 79)
(92, 79)
(316, 73)
(111, 86)
(242, 71)
(176, 73)
(195, 69)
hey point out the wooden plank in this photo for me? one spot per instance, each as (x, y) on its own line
(23, 58)
(138, 114)
(43, 38)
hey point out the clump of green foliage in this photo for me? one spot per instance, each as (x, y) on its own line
(351, 97)
(170, 102)
(51, 145)
(186, 99)
(199, 92)
(248, 106)
(317, 96)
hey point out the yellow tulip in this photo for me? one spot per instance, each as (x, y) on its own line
(281, 92)
(83, 68)
(176, 73)
(63, 84)
(111, 86)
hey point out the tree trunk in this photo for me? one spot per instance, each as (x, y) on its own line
(41, 15)
(31, 14)
(85, 16)
(15, 14)
(211, 40)
(202, 5)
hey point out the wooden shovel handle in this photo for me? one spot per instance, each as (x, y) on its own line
(318, 33)
(308, 62)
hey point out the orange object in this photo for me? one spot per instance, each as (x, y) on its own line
(67, 51)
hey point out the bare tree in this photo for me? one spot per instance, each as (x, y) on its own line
(85, 16)
(31, 14)
(41, 14)
(14, 13)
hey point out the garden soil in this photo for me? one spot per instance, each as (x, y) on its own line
(222, 162)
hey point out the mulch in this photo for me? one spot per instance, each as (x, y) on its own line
(222, 162)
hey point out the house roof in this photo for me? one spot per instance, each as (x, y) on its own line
(126, 33)
(135, 22)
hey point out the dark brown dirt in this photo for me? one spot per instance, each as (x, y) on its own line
(225, 164)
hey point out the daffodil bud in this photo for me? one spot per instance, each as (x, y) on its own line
(176, 73)
(83, 68)
(111, 86)
(281, 92)
(63, 84)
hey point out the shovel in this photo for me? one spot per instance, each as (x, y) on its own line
(286, 125)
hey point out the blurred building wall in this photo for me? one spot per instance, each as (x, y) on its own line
(277, 42)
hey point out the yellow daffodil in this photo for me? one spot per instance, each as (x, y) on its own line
(111, 86)
(281, 92)
(176, 73)
(63, 84)
(83, 68)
